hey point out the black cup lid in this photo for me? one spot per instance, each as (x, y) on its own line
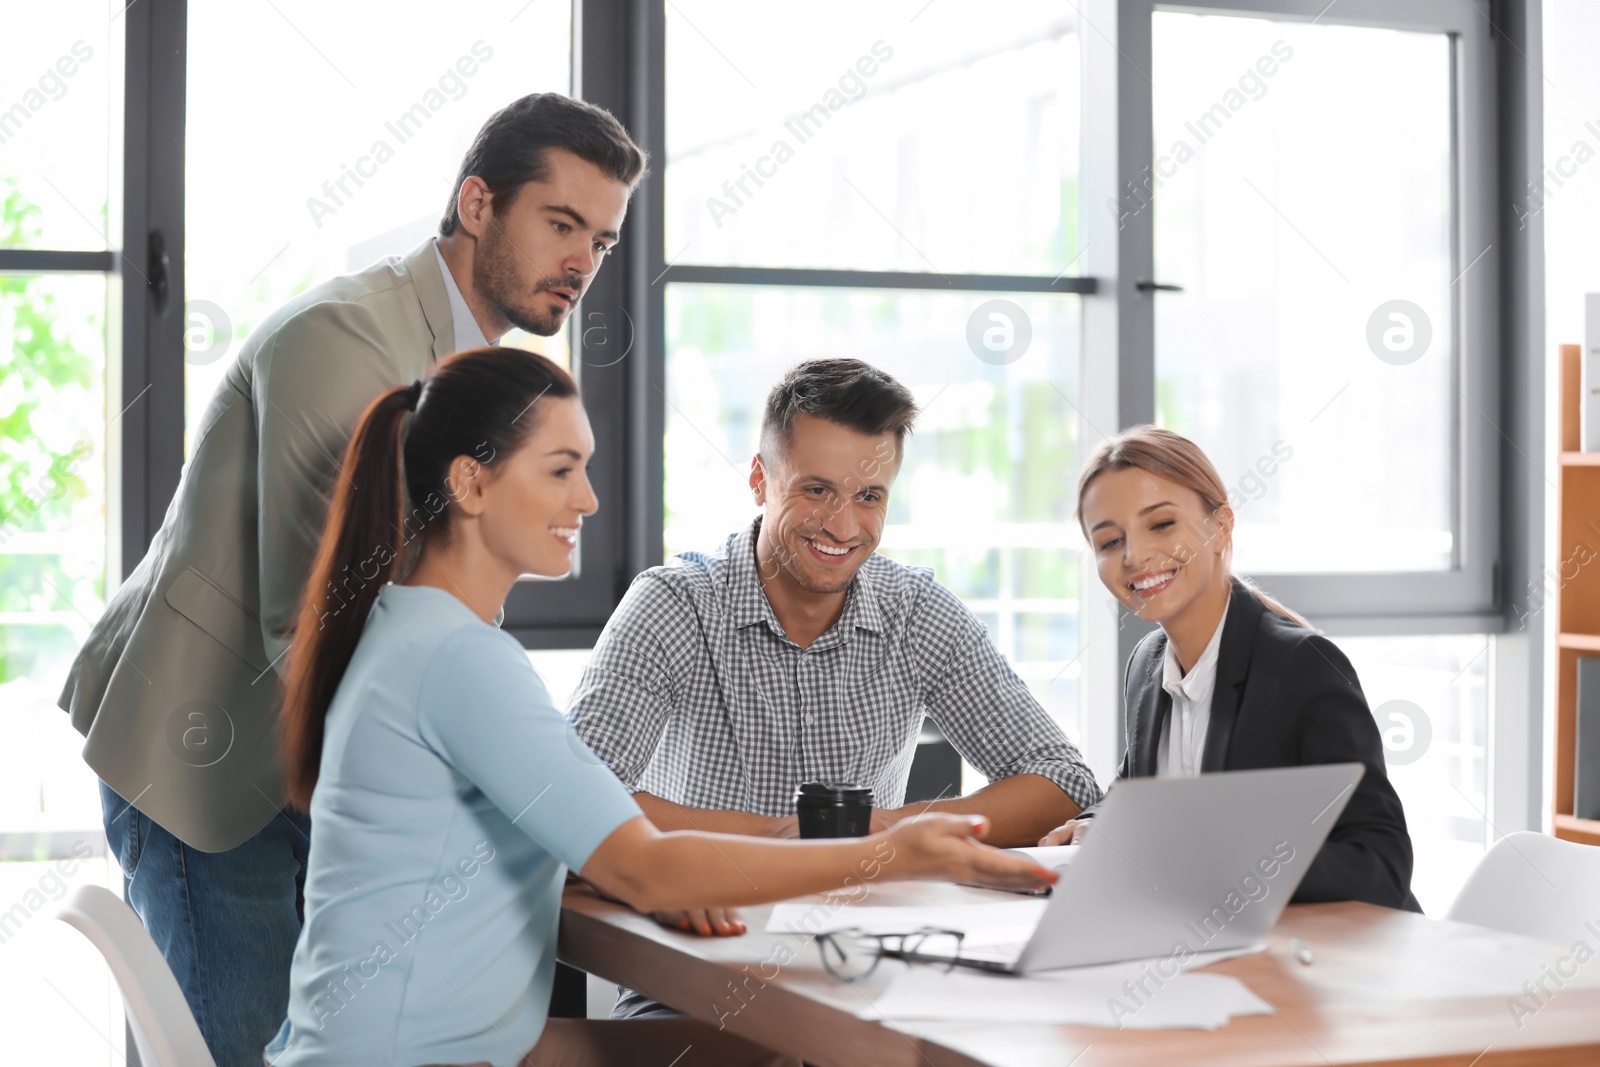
(833, 793)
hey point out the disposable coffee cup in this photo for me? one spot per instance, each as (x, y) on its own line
(829, 810)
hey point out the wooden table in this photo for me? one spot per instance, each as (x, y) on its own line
(1386, 987)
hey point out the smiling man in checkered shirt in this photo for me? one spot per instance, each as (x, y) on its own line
(794, 653)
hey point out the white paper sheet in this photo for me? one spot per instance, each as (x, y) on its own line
(994, 922)
(1120, 996)
(986, 925)
(1052, 856)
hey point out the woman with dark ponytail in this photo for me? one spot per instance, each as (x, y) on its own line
(1232, 679)
(448, 797)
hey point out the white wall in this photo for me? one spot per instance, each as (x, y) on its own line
(1571, 209)
(1568, 204)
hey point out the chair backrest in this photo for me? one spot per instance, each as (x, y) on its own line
(1535, 885)
(163, 1027)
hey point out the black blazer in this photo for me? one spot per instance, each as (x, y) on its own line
(1286, 696)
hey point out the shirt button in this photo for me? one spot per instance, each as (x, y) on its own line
(809, 719)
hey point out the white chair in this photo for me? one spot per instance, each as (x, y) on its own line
(1534, 885)
(163, 1028)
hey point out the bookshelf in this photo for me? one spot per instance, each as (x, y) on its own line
(1577, 595)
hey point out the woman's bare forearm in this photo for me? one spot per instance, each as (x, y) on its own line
(656, 871)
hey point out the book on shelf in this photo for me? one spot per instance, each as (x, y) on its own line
(1586, 775)
(1589, 376)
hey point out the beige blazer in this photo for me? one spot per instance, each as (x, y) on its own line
(177, 689)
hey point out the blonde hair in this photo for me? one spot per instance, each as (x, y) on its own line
(1174, 457)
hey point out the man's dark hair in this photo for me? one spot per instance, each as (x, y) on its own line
(510, 149)
(847, 392)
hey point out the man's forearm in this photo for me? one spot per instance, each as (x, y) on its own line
(669, 816)
(1020, 809)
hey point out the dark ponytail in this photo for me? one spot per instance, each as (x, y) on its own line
(393, 490)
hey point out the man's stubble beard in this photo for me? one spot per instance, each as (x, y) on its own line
(500, 282)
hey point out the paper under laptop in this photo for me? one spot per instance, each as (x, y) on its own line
(1053, 857)
(1171, 867)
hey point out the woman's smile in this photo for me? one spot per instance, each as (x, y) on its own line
(1151, 584)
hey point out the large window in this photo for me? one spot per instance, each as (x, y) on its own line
(53, 533)
(351, 158)
(60, 119)
(1329, 342)
(958, 195)
(1333, 343)
(61, 103)
(832, 205)
(60, 295)
(869, 140)
(1308, 217)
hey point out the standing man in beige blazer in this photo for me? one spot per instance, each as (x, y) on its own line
(176, 689)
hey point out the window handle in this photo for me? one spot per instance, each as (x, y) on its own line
(1157, 287)
(158, 269)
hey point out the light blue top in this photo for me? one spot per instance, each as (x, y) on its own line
(452, 798)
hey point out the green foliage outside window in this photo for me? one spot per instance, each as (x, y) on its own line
(51, 414)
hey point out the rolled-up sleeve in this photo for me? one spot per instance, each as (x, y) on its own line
(488, 714)
(626, 694)
(986, 711)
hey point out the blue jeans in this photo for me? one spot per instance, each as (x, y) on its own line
(226, 922)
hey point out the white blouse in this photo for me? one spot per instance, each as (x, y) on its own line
(1178, 755)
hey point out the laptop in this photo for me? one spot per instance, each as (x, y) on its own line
(1178, 866)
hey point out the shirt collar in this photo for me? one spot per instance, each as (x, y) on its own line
(748, 604)
(1195, 686)
(467, 333)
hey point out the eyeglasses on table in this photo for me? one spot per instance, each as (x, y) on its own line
(854, 953)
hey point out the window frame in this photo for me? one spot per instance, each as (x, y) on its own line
(619, 63)
(144, 197)
(144, 393)
(1500, 421)
(1465, 598)
(1499, 418)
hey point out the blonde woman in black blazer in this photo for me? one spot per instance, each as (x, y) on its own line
(1280, 694)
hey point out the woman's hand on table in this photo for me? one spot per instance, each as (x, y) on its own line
(707, 922)
(949, 847)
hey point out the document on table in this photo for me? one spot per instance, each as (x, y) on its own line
(1121, 996)
(1053, 857)
(1140, 994)
(1057, 857)
(991, 923)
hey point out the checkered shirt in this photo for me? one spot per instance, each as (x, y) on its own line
(696, 695)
